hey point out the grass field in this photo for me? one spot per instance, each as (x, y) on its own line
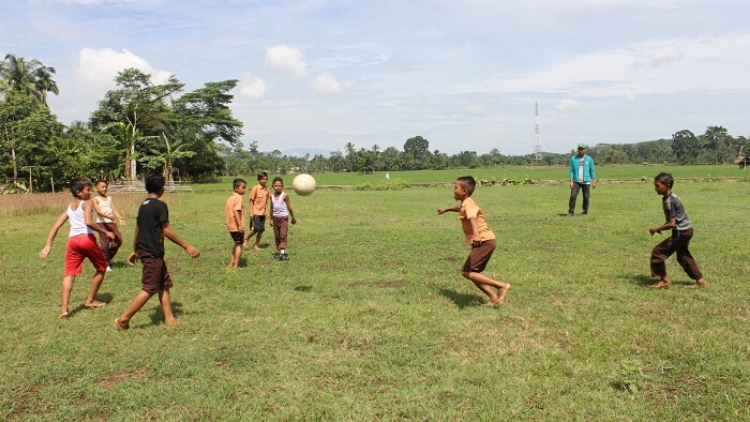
(371, 320)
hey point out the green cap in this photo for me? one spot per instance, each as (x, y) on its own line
(582, 146)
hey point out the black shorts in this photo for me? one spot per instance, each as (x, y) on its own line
(259, 223)
(238, 237)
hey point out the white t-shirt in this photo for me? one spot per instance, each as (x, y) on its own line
(279, 205)
(105, 206)
(77, 221)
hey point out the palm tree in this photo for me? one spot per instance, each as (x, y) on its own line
(17, 74)
(45, 83)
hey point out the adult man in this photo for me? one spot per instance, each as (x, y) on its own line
(582, 177)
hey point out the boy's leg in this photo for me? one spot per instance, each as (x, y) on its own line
(236, 255)
(485, 283)
(114, 245)
(67, 287)
(686, 260)
(573, 196)
(659, 254)
(123, 322)
(166, 307)
(96, 283)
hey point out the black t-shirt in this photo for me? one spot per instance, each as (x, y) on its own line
(151, 214)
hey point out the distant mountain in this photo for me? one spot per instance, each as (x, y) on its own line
(300, 152)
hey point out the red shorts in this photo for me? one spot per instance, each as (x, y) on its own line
(79, 248)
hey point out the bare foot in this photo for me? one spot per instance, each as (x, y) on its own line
(698, 284)
(662, 284)
(63, 315)
(121, 325)
(173, 322)
(244, 245)
(501, 293)
(256, 248)
(94, 304)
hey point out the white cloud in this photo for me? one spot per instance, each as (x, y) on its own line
(628, 95)
(327, 84)
(665, 56)
(568, 107)
(474, 109)
(253, 87)
(287, 59)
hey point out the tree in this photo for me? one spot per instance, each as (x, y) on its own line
(45, 83)
(719, 140)
(417, 149)
(685, 146)
(17, 74)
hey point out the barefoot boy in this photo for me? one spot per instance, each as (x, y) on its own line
(258, 206)
(682, 231)
(152, 226)
(106, 212)
(234, 215)
(481, 239)
(81, 244)
(281, 210)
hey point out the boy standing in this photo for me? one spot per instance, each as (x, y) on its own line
(104, 207)
(281, 209)
(81, 244)
(682, 231)
(152, 226)
(582, 174)
(481, 239)
(258, 207)
(234, 214)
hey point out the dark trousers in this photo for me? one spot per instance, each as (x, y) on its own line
(678, 242)
(110, 247)
(574, 195)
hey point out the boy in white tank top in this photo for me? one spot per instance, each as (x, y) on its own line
(106, 212)
(281, 209)
(81, 244)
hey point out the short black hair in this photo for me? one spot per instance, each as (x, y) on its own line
(278, 179)
(262, 174)
(154, 182)
(101, 181)
(665, 179)
(77, 184)
(468, 183)
(238, 182)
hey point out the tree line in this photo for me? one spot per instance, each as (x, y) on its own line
(141, 127)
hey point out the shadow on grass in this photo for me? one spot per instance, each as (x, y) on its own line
(156, 316)
(462, 300)
(643, 280)
(303, 288)
(106, 298)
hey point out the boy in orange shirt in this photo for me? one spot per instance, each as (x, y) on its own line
(481, 239)
(234, 214)
(258, 207)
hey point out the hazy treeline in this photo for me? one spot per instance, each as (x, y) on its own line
(141, 127)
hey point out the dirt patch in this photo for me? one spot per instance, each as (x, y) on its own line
(110, 382)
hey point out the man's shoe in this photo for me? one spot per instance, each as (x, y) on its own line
(583, 214)
(275, 255)
(283, 257)
(570, 214)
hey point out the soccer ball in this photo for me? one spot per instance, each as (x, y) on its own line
(304, 184)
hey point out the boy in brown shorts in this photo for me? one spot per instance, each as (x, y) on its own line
(481, 239)
(234, 215)
(152, 226)
(258, 206)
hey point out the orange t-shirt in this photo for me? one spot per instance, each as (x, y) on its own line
(259, 199)
(469, 209)
(234, 204)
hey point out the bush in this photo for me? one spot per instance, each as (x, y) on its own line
(394, 184)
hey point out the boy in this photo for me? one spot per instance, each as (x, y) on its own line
(258, 206)
(481, 238)
(152, 226)
(281, 209)
(81, 244)
(234, 214)
(682, 231)
(104, 207)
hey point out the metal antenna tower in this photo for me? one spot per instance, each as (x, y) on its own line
(537, 138)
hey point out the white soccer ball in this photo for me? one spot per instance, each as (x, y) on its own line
(304, 184)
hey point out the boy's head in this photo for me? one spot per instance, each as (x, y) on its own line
(663, 183)
(239, 186)
(464, 187)
(155, 183)
(80, 187)
(101, 186)
(263, 178)
(278, 184)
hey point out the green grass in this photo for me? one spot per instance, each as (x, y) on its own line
(371, 320)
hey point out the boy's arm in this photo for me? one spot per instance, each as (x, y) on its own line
(475, 239)
(92, 224)
(238, 220)
(443, 210)
(175, 238)
(133, 256)
(117, 215)
(670, 224)
(53, 233)
(289, 207)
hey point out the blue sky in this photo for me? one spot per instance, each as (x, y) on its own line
(464, 75)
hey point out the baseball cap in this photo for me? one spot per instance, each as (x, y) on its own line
(582, 146)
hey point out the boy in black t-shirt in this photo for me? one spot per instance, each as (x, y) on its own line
(152, 226)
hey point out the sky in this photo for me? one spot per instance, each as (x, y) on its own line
(465, 75)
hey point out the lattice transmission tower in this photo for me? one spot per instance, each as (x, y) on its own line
(537, 137)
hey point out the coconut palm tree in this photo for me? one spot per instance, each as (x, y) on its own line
(45, 83)
(17, 74)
